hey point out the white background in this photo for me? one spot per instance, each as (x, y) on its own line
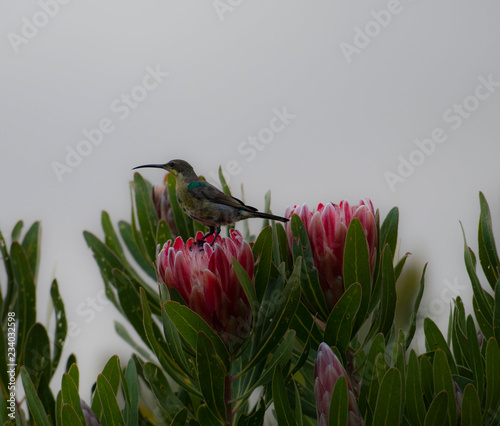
(356, 117)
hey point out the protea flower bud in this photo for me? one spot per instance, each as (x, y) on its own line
(327, 230)
(205, 278)
(163, 207)
(90, 417)
(327, 369)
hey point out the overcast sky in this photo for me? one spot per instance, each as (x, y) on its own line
(318, 101)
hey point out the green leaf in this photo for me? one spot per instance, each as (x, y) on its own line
(283, 410)
(128, 237)
(478, 291)
(263, 252)
(189, 323)
(206, 417)
(183, 223)
(434, 340)
(146, 215)
(475, 356)
(414, 314)
(357, 268)
(389, 230)
(133, 394)
(211, 376)
(31, 247)
(370, 384)
(387, 410)
(488, 255)
(111, 414)
(414, 401)
(492, 376)
(16, 231)
(70, 395)
(37, 353)
(426, 378)
(496, 312)
(112, 373)
(61, 324)
(180, 418)
(388, 296)
(34, 404)
(471, 407)
(280, 318)
(437, 413)
(70, 417)
(339, 325)
(161, 389)
(310, 285)
(110, 237)
(163, 233)
(339, 404)
(443, 381)
(256, 417)
(247, 285)
(26, 296)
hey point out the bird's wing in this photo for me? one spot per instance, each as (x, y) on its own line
(205, 191)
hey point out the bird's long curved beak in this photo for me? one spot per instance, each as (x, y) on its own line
(155, 166)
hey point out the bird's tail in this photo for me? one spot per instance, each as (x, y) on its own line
(268, 216)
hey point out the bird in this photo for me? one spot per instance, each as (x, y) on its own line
(205, 203)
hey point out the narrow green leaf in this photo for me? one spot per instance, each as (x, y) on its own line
(211, 376)
(370, 384)
(414, 314)
(475, 356)
(16, 231)
(146, 215)
(37, 353)
(189, 323)
(110, 237)
(492, 376)
(247, 285)
(435, 340)
(70, 395)
(283, 410)
(61, 324)
(478, 291)
(128, 237)
(339, 404)
(414, 401)
(180, 418)
(357, 268)
(339, 325)
(387, 410)
(254, 418)
(471, 407)
(262, 252)
(426, 378)
(443, 381)
(34, 404)
(388, 296)
(183, 223)
(26, 297)
(488, 255)
(389, 230)
(111, 413)
(496, 312)
(70, 417)
(163, 233)
(437, 413)
(133, 394)
(31, 246)
(160, 387)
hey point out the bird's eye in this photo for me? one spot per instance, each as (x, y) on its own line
(171, 164)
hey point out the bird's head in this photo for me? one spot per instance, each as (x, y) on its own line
(176, 167)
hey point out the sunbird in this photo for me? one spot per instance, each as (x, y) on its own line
(204, 202)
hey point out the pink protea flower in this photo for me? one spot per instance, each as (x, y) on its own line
(205, 278)
(163, 208)
(327, 230)
(327, 369)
